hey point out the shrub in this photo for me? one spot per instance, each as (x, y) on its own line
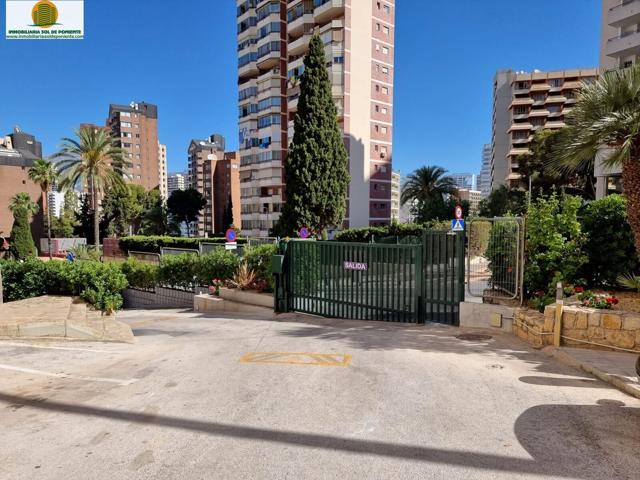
(140, 275)
(609, 244)
(554, 243)
(220, 263)
(400, 230)
(502, 255)
(153, 243)
(190, 270)
(22, 245)
(361, 235)
(97, 283)
(258, 259)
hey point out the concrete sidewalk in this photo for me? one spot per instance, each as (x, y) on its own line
(615, 368)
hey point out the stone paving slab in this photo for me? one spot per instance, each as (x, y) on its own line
(615, 368)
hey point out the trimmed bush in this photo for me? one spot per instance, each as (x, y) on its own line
(366, 234)
(361, 235)
(22, 245)
(258, 259)
(609, 244)
(153, 244)
(97, 283)
(140, 275)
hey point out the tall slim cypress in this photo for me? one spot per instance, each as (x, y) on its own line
(316, 169)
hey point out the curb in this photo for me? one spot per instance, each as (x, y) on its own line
(617, 382)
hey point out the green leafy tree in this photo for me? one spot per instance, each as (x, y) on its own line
(316, 169)
(185, 206)
(554, 243)
(85, 218)
(607, 114)
(155, 219)
(609, 243)
(22, 208)
(65, 225)
(44, 174)
(227, 217)
(96, 161)
(503, 201)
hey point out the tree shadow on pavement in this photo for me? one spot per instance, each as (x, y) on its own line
(560, 439)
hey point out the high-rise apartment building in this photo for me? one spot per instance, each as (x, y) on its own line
(176, 181)
(162, 170)
(215, 174)
(18, 152)
(273, 37)
(135, 128)
(484, 180)
(619, 33)
(464, 180)
(523, 103)
(619, 48)
(395, 195)
(473, 197)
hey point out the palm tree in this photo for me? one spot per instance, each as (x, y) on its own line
(427, 184)
(95, 161)
(23, 200)
(607, 114)
(44, 174)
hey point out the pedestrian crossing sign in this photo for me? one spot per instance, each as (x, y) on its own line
(457, 225)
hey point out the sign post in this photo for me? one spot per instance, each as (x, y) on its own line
(457, 224)
(231, 240)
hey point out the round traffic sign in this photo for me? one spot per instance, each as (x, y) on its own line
(231, 235)
(304, 232)
(458, 212)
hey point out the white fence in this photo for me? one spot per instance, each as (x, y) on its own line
(61, 245)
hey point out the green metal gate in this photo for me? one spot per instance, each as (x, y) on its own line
(394, 283)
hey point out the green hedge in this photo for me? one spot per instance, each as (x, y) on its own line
(609, 244)
(258, 259)
(365, 234)
(141, 243)
(97, 283)
(182, 271)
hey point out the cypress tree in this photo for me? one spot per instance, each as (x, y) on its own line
(22, 244)
(227, 216)
(316, 170)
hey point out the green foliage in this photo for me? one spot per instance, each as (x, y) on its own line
(190, 270)
(479, 238)
(227, 217)
(361, 235)
(153, 243)
(185, 206)
(401, 230)
(316, 169)
(439, 209)
(630, 281)
(22, 244)
(610, 244)
(554, 243)
(540, 302)
(258, 259)
(502, 255)
(97, 283)
(503, 201)
(140, 275)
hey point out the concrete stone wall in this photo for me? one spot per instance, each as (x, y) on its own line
(478, 315)
(580, 325)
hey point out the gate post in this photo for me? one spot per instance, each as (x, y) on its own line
(419, 279)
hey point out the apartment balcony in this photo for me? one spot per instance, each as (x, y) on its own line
(329, 10)
(539, 113)
(520, 127)
(623, 45)
(625, 14)
(297, 26)
(299, 45)
(268, 61)
(521, 116)
(540, 87)
(521, 141)
(555, 124)
(248, 70)
(514, 152)
(556, 99)
(521, 91)
(521, 101)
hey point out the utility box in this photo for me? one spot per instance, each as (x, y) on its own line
(496, 320)
(277, 264)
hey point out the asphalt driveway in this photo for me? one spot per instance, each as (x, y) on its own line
(202, 397)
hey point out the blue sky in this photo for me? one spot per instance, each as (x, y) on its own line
(182, 56)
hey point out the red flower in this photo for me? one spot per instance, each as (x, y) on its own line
(579, 289)
(615, 300)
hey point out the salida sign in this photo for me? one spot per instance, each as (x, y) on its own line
(355, 266)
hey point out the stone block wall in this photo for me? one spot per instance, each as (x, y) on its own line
(579, 325)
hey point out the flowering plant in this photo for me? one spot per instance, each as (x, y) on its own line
(601, 301)
(214, 288)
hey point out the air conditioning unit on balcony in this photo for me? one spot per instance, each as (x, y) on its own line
(382, 154)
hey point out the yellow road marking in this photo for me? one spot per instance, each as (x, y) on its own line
(298, 358)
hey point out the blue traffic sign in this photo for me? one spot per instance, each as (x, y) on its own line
(304, 232)
(231, 235)
(457, 225)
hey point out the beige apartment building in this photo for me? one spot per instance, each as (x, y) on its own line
(523, 103)
(619, 48)
(395, 195)
(273, 37)
(162, 170)
(135, 128)
(215, 174)
(473, 197)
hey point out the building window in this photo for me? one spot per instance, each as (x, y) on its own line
(385, 50)
(385, 90)
(383, 129)
(385, 30)
(377, 108)
(386, 8)
(384, 110)
(125, 124)
(378, 27)
(385, 70)
(377, 47)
